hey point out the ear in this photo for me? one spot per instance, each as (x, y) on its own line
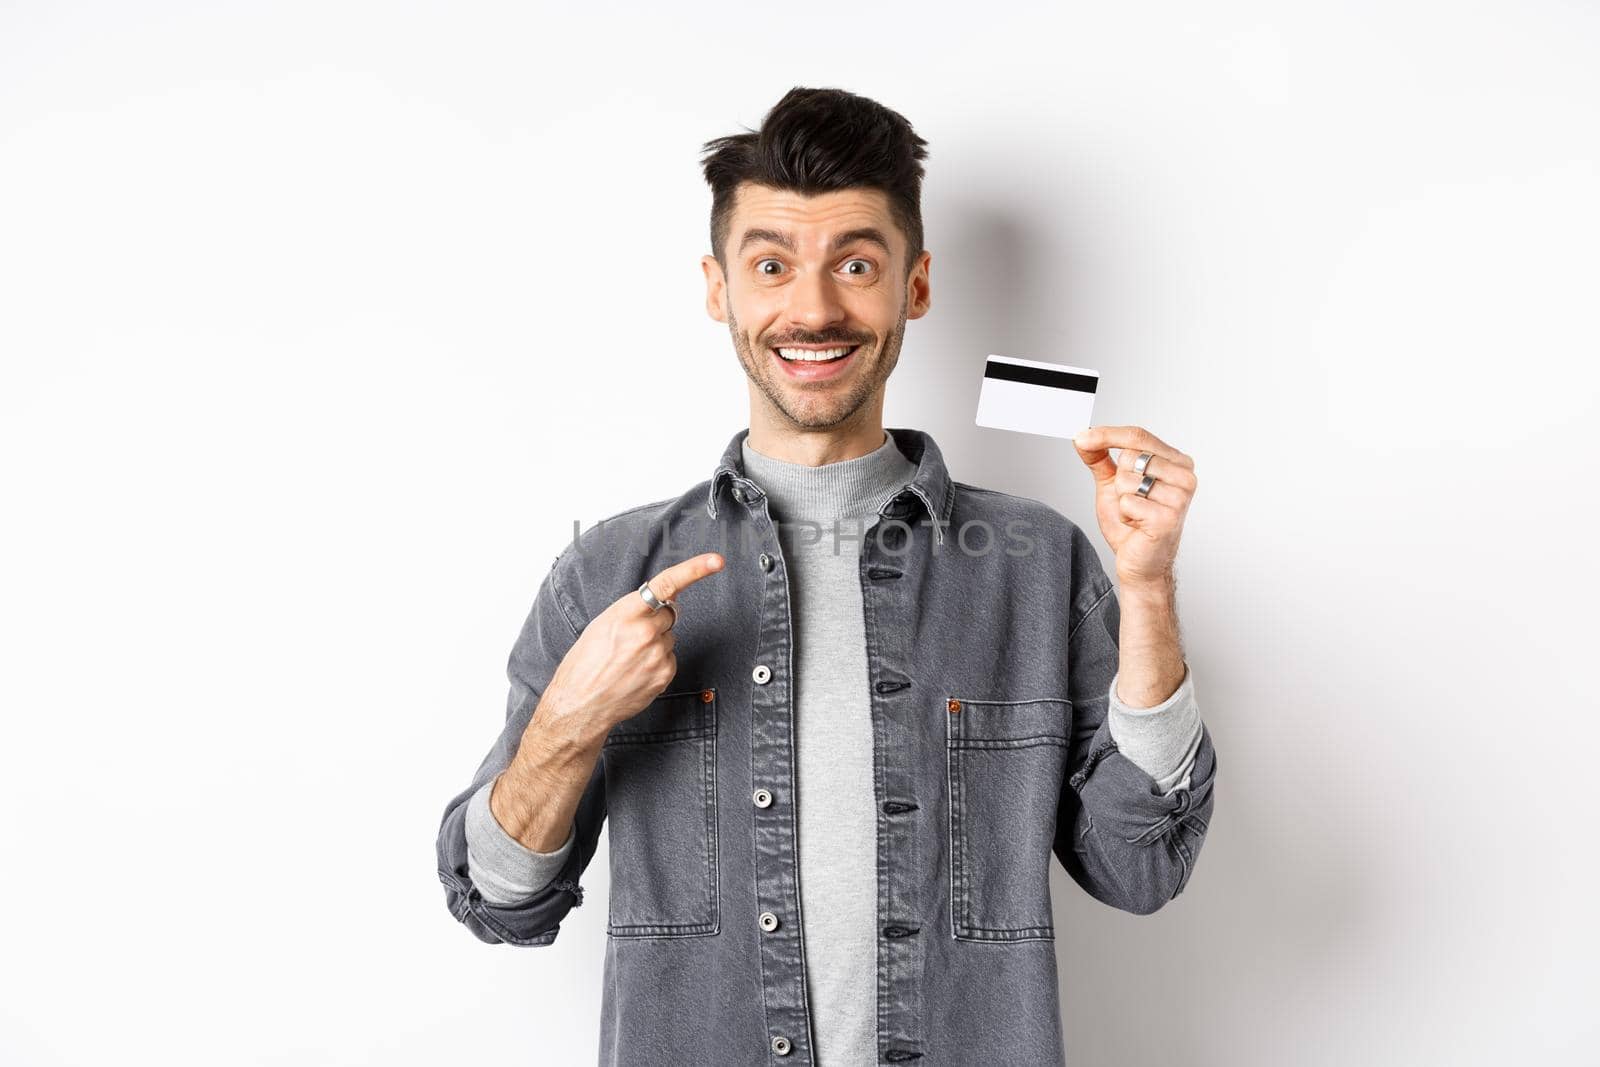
(716, 288)
(919, 293)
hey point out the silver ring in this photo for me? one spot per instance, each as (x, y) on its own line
(655, 603)
(1144, 486)
(1142, 462)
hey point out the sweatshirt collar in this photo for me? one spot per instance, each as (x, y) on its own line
(930, 491)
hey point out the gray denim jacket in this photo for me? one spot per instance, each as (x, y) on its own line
(992, 635)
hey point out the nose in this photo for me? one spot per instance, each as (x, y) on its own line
(813, 302)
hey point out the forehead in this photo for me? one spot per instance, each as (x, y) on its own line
(811, 220)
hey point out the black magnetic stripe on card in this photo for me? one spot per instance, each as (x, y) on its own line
(1057, 379)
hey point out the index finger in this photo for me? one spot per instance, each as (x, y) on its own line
(1129, 439)
(680, 576)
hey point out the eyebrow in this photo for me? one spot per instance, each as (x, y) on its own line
(870, 234)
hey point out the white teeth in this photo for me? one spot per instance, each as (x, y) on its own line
(806, 355)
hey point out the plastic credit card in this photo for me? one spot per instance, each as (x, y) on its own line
(1031, 396)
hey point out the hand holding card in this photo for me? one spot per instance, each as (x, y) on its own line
(1140, 498)
(1031, 396)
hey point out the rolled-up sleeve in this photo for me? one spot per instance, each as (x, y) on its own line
(504, 869)
(1131, 820)
(501, 894)
(1163, 740)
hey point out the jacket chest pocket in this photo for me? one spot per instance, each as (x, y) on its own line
(661, 814)
(1006, 761)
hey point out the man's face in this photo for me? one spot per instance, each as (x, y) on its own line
(820, 273)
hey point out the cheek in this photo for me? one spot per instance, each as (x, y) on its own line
(877, 311)
(757, 317)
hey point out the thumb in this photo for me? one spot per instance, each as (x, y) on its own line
(1097, 459)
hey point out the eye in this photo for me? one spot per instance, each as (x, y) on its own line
(761, 263)
(867, 262)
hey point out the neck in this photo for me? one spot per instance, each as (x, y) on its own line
(814, 448)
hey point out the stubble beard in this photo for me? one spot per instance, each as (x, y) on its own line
(816, 413)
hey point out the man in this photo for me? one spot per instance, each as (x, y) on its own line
(836, 753)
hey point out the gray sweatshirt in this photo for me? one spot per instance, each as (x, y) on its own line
(824, 513)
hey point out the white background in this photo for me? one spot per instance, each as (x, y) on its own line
(322, 322)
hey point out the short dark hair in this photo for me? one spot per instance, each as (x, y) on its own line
(820, 140)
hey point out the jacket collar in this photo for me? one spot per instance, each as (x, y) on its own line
(931, 486)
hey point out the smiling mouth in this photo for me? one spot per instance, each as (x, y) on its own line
(815, 355)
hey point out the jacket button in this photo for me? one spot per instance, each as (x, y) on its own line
(765, 561)
(780, 1045)
(769, 921)
(954, 705)
(762, 674)
(739, 494)
(762, 797)
(707, 696)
